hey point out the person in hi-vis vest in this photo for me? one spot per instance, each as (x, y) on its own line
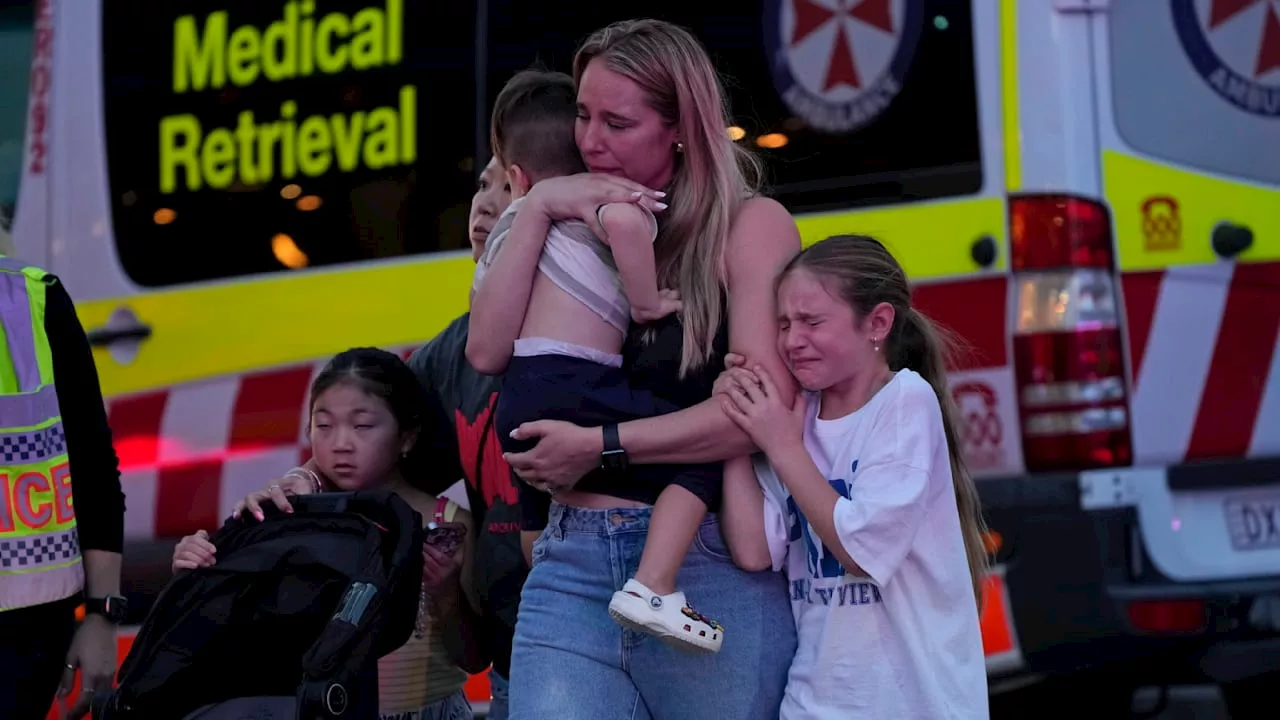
(60, 533)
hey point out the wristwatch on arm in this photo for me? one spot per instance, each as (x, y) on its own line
(112, 607)
(613, 458)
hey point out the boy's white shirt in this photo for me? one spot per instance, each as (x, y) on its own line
(905, 642)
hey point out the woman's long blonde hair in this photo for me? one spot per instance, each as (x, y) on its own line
(713, 175)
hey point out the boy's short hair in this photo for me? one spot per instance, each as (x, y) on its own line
(532, 124)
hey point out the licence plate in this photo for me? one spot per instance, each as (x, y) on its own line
(1253, 524)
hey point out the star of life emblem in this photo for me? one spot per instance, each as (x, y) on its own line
(1235, 46)
(838, 64)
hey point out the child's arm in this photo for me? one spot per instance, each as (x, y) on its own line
(194, 551)
(458, 614)
(742, 516)
(871, 525)
(527, 538)
(630, 233)
(817, 500)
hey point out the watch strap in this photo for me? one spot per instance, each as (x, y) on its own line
(611, 441)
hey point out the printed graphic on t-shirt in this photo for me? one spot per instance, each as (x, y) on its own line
(494, 473)
(823, 586)
(485, 469)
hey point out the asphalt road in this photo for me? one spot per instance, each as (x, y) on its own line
(1198, 702)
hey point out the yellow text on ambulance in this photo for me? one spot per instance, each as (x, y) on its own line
(378, 138)
(297, 45)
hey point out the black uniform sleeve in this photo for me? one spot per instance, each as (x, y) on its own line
(95, 470)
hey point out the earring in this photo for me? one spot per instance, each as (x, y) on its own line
(875, 344)
(679, 146)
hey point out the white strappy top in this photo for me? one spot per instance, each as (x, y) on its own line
(576, 261)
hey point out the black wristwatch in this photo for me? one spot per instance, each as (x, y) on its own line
(613, 458)
(112, 607)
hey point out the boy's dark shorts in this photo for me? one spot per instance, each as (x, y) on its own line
(586, 393)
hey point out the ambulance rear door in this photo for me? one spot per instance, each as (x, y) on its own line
(1189, 121)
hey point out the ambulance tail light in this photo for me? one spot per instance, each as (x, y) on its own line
(1068, 357)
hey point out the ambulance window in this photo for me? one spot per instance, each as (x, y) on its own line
(248, 137)
(16, 42)
(1199, 83)
(868, 104)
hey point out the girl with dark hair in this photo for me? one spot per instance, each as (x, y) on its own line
(367, 410)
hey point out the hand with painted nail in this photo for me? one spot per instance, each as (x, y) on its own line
(564, 454)
(578, 197)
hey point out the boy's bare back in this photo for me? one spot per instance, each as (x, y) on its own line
(556, 315)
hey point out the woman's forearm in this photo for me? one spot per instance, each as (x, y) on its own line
(698, 434)
(499, 305)
(101, 573)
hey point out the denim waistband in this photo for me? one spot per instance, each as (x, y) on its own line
(611, 521)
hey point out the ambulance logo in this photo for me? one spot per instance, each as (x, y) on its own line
(839, 63)
(1235, 46)
(981, 432)
(1161, 223)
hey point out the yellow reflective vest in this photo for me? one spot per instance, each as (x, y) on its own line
(39, 547)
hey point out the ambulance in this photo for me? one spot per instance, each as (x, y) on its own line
(1087, 193)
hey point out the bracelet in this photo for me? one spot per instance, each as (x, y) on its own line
(308, 475)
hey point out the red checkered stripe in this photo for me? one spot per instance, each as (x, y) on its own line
(1205, 361)
(189, 452)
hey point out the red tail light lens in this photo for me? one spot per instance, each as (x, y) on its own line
(1058, 231)
(1168, 616)
(1068, 355)
(1072, 399)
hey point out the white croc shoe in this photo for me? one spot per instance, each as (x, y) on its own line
(668, 617)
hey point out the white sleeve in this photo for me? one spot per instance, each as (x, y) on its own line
(878, 521)
(777, 530)
(877, 525)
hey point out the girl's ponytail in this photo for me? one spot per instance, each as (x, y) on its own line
(924, 347)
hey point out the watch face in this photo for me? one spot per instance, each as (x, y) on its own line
(117, 609)
(615, 460)
(113, 608)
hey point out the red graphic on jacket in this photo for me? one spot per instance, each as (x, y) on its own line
(495, 478)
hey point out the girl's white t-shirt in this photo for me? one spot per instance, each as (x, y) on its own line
(903, 641)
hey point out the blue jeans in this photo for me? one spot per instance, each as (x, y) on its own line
(571, 661)
(498, 696)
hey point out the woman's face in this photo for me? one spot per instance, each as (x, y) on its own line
(493, 195)
(356, 440)
(618, 132)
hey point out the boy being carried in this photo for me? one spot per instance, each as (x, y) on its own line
(567, 363)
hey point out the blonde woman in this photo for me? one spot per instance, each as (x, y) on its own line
(651, 129)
